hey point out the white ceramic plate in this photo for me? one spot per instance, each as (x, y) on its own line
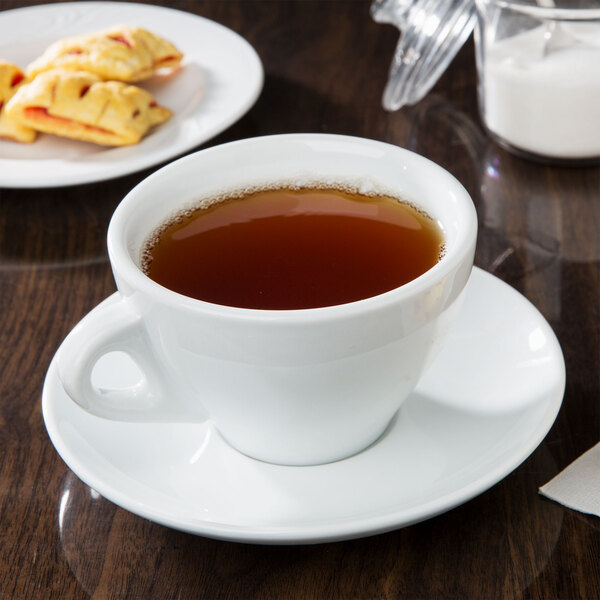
(484, 406)
(221, 79)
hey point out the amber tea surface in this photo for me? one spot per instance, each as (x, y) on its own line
(293, 249)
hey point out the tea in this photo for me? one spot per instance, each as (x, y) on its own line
(290, 248)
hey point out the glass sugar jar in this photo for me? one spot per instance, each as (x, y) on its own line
(538, 65)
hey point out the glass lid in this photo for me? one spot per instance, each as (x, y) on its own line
(432, 32)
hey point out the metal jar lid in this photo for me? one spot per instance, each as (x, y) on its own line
(432, 32)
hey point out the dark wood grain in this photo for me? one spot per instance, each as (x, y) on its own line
(326, 64)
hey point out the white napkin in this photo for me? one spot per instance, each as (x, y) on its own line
(578, 486)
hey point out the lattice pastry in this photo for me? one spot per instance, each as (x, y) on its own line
(82, 106)
(121, 53)
(11, 79)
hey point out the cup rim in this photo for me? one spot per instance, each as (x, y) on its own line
(123, 263)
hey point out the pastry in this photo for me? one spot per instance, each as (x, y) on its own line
(11, 79)
(121, 53)
(80, 105)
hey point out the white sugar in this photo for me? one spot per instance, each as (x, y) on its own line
(545, 103)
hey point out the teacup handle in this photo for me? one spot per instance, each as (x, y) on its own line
(115, 326)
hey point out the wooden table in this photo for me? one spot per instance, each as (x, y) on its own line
(326, 64)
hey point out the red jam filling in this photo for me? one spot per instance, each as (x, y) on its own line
(40, 113)
(166, 59)
(120, 39)
(17, 78)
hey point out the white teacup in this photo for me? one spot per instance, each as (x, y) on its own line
(293, 387)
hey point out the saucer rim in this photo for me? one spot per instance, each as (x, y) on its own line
(352, 527)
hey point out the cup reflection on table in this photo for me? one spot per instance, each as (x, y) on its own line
(525, 208)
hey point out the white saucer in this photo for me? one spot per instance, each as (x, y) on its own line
(221, 79)
(484, 406)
